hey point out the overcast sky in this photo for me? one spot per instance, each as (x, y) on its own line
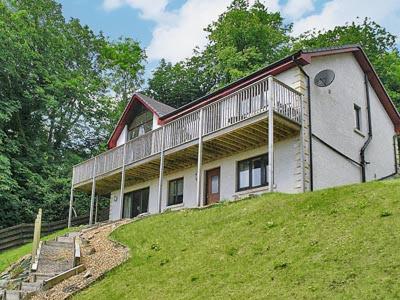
(170, 29)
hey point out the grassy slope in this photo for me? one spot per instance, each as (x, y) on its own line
(336, 243)
(10, 256)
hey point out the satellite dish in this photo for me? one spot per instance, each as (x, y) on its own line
(324, 78)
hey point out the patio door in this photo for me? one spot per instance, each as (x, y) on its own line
(213, 186)
(136, 203)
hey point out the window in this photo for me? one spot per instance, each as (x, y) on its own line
(252, 172)
(215, 184)
(141, 124)
(357, 117)
(175, 191)
(135, 203)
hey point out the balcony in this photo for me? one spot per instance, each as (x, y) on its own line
(234, 123)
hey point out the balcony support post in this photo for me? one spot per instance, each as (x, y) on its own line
(160, 178)
(122, 187)
(200, 160)
(71, 200)
(93, 192)
(271, 100)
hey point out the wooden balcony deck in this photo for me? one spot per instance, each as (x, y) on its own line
(234, 123)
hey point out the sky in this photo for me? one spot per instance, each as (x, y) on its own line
(171, 29)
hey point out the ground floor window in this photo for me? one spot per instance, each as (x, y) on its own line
(175, 191)
(252, 172)
(135, 203)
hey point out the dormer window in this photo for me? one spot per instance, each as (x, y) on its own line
(141, 123)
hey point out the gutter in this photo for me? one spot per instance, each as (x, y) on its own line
(309, 121)
(367, 142)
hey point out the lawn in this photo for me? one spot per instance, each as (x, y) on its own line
(340, 243)
(10, 256)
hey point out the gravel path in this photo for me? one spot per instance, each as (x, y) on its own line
(99, 255)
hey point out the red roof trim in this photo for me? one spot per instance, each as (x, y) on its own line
(112, 142)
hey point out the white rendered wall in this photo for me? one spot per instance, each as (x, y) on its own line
(333, 121)
(122, 137)
(285, 179)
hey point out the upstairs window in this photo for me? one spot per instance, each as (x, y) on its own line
(142, 123)
(252, 172)
(357, 117)
(175, 191)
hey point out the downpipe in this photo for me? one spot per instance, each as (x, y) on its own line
(368, 141)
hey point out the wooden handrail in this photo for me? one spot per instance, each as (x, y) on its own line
(243, 104)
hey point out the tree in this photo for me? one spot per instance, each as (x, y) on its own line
(124, 61)
(379, 44)
(242, 40)
(56, 108)
(246, 38)
(182, 82)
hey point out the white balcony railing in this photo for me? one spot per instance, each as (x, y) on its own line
(231, 109)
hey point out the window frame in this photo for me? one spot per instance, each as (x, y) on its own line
(357, 117)
(146, 123)
(175, 181)
(250, 161)
(131, 193)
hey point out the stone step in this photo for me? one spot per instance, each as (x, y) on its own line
(31, 286)
(59, 244)
(65, 239)
(14, 295)
(74, 234)
(54, 259)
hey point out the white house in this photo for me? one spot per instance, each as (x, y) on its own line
(312, 120)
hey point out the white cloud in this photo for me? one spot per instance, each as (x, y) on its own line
(177, 33)
(337, 12)
(295, 9)
(176, 40)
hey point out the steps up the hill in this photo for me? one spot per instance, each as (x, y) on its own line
(56, 259)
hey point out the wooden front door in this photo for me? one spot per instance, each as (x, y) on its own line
(212, 186)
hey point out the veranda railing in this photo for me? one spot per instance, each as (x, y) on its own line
(229, 110)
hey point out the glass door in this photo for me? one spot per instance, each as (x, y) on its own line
(136, 203)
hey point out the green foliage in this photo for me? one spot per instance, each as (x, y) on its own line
(338, 243)
(55, 104)
(248, 37)
(182, 82)
(245, 38)
(125, 63)
(242, 40)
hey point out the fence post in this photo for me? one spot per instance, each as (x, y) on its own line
(36, 234)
